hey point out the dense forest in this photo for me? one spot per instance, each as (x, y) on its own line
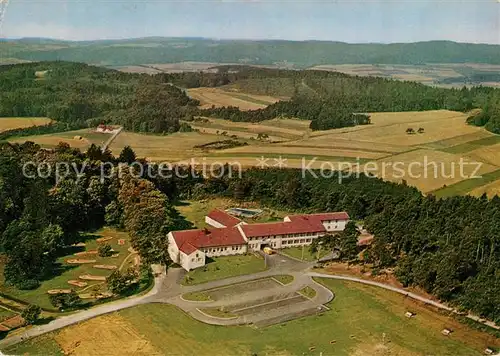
(41, 216)
(78, 95)
(299, 54)
(449, 247)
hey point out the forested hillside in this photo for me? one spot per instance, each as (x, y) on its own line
(332, 100)
(78, 95)
(299, 54)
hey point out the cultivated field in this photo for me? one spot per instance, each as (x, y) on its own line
(10, 123)
(429, 170)
(217, 97)
(169, 148)
(446, 139)
(363, 320)
(454, 74)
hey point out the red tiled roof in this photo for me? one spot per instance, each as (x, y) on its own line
(190, 240)
(322, 216)
(283, 228)
(187, 248)
(223, 218)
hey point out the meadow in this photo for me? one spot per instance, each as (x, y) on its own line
(363, 320)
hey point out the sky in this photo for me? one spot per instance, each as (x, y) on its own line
(362, 21)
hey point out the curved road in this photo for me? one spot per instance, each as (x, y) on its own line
(166, 287)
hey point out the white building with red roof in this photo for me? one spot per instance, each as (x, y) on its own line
(231, 236)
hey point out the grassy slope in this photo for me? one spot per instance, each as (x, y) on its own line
(359, 318)
(39, 296)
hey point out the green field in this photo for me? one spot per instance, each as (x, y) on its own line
(466, 186)
(225, 267)
(363, 320)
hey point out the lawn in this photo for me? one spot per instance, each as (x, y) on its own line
(303, 253)
(197, 297)
(284, 279)
(66, 272)
(196, 210)
(225, 267)
(308, 292)
(363, 320)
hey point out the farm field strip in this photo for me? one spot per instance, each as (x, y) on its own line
(209, 97)
(10, 123)
(488, 184)
(459, 140)
(237, 133)
(276, 127)
(253, 150)
(290, 157)
(490, 189)
(442, 169)
(488, 154)
(474, 145)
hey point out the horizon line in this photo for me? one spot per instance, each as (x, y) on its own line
(6, 39)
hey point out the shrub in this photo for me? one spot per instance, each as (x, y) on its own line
(105, 250)
(31, 314)
(28, 284)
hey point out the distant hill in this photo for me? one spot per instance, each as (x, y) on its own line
(294, 54)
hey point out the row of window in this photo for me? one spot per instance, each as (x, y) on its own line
(293, 242)
(283, 236)
(222, 249)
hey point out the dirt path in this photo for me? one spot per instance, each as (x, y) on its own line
(111, 139)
